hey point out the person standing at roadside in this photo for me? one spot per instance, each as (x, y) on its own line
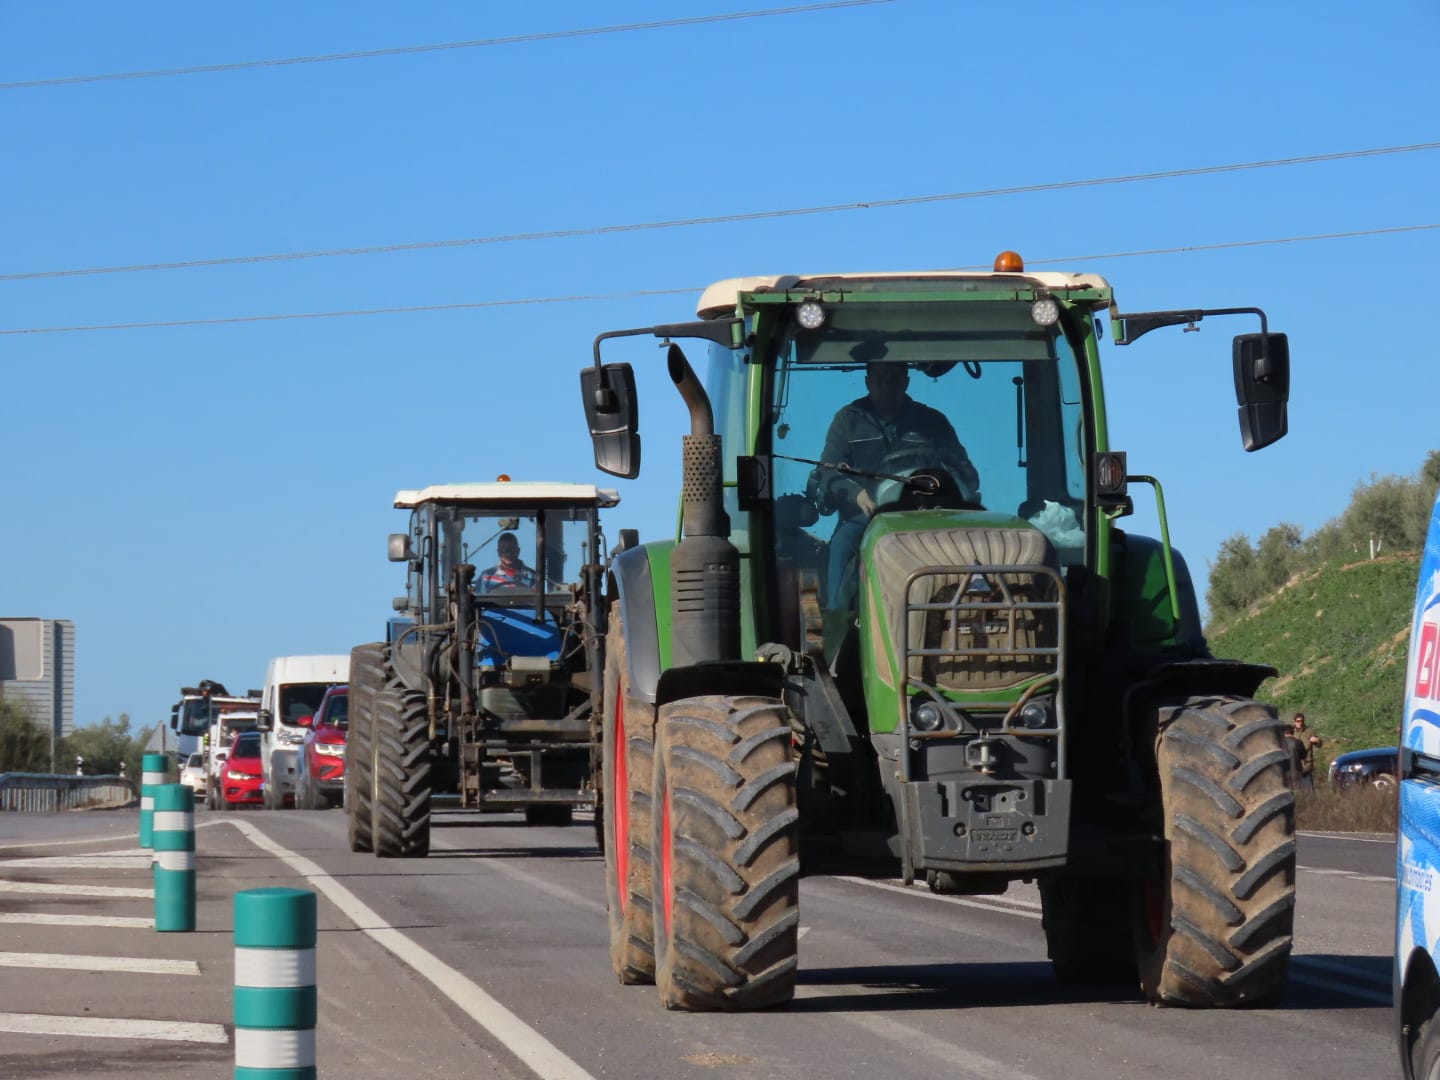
(1302, 744)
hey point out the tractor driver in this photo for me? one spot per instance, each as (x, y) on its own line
(511, 572)
(884, 431)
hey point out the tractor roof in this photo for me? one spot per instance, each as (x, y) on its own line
(510, 495)
(720, 299)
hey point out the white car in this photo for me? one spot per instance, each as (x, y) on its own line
(192, 775)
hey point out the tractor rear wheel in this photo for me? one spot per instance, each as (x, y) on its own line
(626, 746)
(1214, 927)
(401, 782)
(1088, 929)
(369, 666)
(725, 835)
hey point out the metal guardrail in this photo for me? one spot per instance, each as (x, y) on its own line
(48, 793)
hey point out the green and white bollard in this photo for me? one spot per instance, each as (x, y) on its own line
(155, 770)
(174, 868)
(275, 996)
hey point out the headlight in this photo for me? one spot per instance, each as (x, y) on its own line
(1034, 714)
(810, 315)
(928, 717)
(1045, 311)
(330, 749)
(242, 776)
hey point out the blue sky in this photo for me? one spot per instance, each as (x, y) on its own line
(199, 499)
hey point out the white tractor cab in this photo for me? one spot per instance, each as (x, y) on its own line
(199, 707)
(223, 732)
(294, 687)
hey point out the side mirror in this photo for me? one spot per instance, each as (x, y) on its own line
(613, 416)
(264, 721)
(629, 538)
(399, 547)
(308, 720)
(1262, 387)
(175, 717)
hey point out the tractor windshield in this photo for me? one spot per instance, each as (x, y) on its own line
(975, 389)
(507, 548)
(196, 715)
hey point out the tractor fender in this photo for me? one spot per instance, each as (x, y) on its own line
(632, 586)
(640, 586)
(1181, 678)
(1142, 596)
(726, 678)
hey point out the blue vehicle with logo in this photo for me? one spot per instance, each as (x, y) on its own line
(1417, 872)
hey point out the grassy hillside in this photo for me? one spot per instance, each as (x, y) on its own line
(1338, 636)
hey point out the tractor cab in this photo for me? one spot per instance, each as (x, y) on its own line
(513, 553)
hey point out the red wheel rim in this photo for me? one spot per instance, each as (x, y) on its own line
(620, 810)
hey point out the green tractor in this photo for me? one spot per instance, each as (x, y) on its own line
(906, 636)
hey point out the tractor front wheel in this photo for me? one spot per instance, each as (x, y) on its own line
(626, 745)
(1214, 926)
(725, 839)
(402, 780)
(368, 675)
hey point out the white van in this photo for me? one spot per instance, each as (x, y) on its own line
(294, 686)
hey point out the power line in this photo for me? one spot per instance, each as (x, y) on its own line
(406, 50)
(719, 219)
(579, 298)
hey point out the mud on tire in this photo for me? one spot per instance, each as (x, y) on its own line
(1214, 929)
(369, 672)
(401, 781)
(725, 838)
(627, 744)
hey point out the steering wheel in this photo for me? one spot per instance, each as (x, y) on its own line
(940, 487)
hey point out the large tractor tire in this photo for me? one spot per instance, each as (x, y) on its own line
(1214, 927)
(725, 838)
(627, 743)
(369, 672)
(401, 780)
(1089, 932)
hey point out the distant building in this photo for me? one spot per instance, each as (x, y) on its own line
(37, 671)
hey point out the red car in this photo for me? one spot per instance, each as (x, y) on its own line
(322, 754)
(242, 776)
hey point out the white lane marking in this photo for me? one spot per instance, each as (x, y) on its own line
(1024, 908)
(1348, 836)
(133, 837)
(81, 862)
(955, 1060)
(72, 890)
(801, 932)
(64, 962)
(1329, 871)
(1337, 987)
(539, 1054)
(101, 1027)
(38, 919)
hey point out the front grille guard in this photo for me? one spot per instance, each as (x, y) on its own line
(1005, 608)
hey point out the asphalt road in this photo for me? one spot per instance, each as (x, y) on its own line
(489, 959)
